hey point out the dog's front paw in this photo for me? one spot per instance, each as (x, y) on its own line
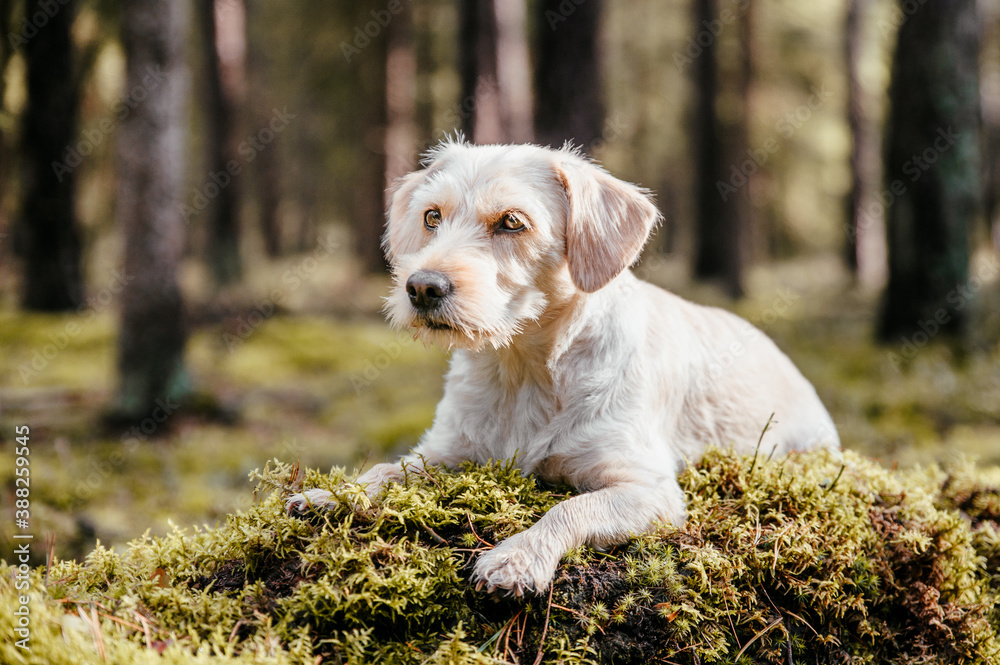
(349, 494)
(312, 498)
(517, 564)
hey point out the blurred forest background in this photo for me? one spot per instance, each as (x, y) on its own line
(191, 197)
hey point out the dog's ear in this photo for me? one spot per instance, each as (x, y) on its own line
(398, 238)
(609, 222)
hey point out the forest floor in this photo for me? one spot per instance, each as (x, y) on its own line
(319, 378)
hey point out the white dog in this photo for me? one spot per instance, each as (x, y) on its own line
(517, 257)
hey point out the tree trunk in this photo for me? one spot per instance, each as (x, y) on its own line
(493, 63)
(151, 147)
(401, 98)
(737, 209)
(514, 71)
(989, 90)
(425, 51)
(855, 120)
(864, 250)
(306, 178)
(5, 51)
(722, 226)
(569, 94)
(709, 227)
(269, 184)
(223, 29)
(932, 171)
(371, 114)
(47, 236)
(477, 58)
(268, 167)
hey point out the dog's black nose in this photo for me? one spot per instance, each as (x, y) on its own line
(427, 289)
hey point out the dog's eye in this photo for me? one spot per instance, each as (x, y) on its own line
(511, 222)
(431, 219)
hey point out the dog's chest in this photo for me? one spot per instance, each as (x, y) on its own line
(506, 416)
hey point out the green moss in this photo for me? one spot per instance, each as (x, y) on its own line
(57, 351)
(813, 557)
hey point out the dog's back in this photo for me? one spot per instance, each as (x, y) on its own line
(739, 379)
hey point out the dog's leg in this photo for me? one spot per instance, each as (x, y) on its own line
(372, 480)
(380, 475)
(528, 560)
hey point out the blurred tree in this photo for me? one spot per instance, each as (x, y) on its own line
(267, 168)
(477, 39)
(569, 91)
(223, 31)
(991, 172)
(932, 170)
(5, 7)
(495, 71)
(306, 177)
(47, 237)
(855, 118)
(401, 102)
(514, 71)
(990, 94)
(722, 189)
(310, 179)
(369, 72)
(865, 246)
(151, 146)
(5, 44)
(425, 49)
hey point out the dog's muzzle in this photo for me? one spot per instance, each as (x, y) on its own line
(427, 290)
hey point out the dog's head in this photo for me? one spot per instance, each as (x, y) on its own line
(485, 238)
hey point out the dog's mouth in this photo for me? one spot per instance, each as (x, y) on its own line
(432, 324)
(453, 333)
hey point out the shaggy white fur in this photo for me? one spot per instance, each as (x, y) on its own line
(563, 359)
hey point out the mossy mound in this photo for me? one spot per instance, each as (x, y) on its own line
(808, 559)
